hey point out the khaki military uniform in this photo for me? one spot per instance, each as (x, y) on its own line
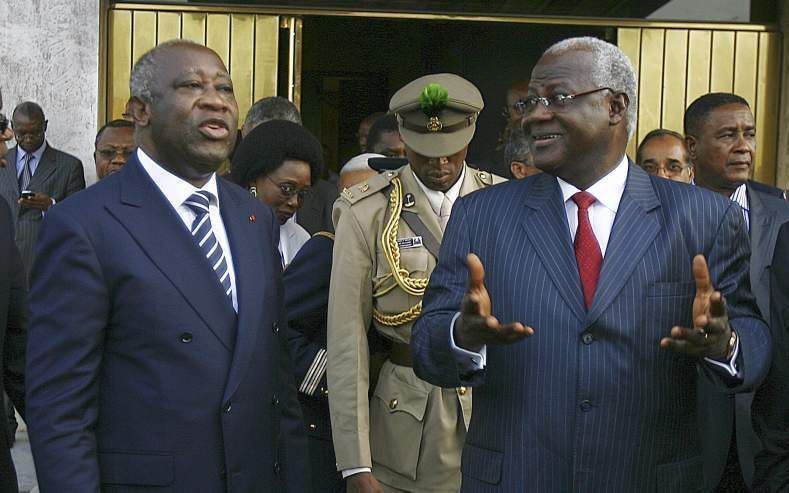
(411, 433)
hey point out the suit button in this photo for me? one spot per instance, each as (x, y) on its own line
(277, 467)
(228, 408)
(462, 390)
(275, 327)
(587, 338)
(313, 427)
(393, 404)
(586, 406)
(186, 337)
(274, 400)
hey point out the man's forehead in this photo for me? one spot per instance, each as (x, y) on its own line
(116, 133)
(189, 59)
(571, 66)
(731, 115)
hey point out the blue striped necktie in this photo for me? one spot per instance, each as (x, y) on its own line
(204, 235)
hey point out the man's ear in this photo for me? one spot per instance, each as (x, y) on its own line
(618, 108)
(140, 111)
(691, 143)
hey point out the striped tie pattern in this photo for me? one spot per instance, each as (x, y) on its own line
(25, 176)
(205, 238)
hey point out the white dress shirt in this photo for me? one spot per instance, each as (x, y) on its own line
(608, 191)
(292, 236)
(176, 190)
(740, 197)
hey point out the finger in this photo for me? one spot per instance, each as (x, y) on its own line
(476, 272)
(511, 332)
(470, 305)
(701, 274)
(717, 305)
(695, 337)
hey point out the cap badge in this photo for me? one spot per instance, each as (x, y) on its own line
(409, 200)
(434, 124)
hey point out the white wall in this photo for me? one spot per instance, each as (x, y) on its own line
(49, 53)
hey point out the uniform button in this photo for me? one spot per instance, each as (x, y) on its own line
(228, 408)
(186, 337)
(586, 406)
(587, 338)
(393, 404)
(275, 327)
(313, 427)
(277, 467)
(462, 390)
(274, 400)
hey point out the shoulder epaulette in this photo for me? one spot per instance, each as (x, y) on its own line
(325, 234)
(368, 187)
(484, 178)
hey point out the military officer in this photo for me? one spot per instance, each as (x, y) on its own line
(408, 436)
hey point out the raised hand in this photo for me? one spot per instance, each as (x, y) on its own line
(711, 332)
(476, 327)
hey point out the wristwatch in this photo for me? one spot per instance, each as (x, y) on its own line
(732, 344)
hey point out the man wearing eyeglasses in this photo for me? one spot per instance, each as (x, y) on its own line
(584, 303)
(114, 144)
(663, 153)
(37, 177)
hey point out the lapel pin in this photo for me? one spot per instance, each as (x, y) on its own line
(409, 200)
(252, 218)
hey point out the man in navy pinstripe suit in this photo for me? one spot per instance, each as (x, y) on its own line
(623, 291)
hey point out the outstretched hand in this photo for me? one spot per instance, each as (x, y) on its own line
(709, 337)
(476, 327)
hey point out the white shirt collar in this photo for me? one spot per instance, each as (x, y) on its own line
(607, 190)
(740, 196)
(175, 189)
(435, 197)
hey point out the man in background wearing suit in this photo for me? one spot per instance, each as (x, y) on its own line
(158, 351)
(35, 166)
(607, 318)
(721, 140)
(771, 402)
(13, 321)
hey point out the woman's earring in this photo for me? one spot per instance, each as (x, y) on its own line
(253, 190)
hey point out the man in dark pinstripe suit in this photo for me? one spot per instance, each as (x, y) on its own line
(615, 284)
(53, 176)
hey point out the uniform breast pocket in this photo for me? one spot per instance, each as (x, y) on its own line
(397, 414)
(414, 260)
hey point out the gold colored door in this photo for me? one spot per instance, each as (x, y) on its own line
(687, 63)
(248, 43)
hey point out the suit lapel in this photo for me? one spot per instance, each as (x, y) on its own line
(762, 219)
(44, 170)
(250, 270)
(162, 235)
(421, 205)
(545, 225)
(634, 229)
(10, 183)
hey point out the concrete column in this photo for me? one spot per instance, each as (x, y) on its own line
(782, 166)
(50, 55)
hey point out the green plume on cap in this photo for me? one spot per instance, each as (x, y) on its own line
(433, 99)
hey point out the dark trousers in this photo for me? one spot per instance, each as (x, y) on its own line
(9, 428)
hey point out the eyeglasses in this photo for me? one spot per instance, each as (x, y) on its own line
(110, 153)
(556, 102)
(673, 169)
(289, 190)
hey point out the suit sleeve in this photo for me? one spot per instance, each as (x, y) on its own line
(13, 369)
(69, 307)
(293, 445)
(729, 270)
(771, 404)
(76, 179)
(348, 367)
(431, 347)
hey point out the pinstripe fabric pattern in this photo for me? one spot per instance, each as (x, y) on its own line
(58, 175)
(590, 402)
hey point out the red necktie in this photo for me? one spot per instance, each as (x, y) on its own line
(587, 250)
